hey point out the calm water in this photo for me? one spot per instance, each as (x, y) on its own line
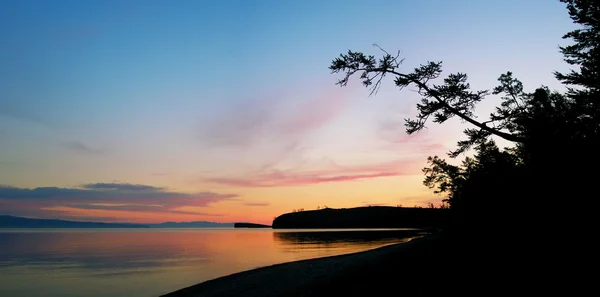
(143, 262)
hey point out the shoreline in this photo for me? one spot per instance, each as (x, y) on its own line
(311, 277)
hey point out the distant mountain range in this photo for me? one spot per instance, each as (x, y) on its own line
(7, 221)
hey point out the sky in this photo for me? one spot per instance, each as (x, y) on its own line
(226, 111)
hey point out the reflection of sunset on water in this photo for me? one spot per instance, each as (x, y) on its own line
(144, 262)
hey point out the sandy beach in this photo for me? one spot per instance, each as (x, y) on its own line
(373, 272)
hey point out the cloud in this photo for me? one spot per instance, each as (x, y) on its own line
(122, 187)
(107, 196)
(18, 110)
(390, 125)
(122, 207)
(281, 119)
(79, 147)
(185, 212)
(284, 178)
(312, 113)
(257, 204)
(14, 113)
(128, 208)
(394, 137)
(239, 126)
(270, 131)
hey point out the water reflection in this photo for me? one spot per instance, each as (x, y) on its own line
(308, 237)
(102, 253)
(306, 244)
(98, 263)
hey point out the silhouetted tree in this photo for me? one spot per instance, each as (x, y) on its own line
(439, 102)
(583, 113)
(476, 189)
(585, 53)
(554, 136)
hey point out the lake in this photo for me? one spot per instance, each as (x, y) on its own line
(150, 262)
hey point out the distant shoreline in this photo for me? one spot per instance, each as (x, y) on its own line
(8, 221)
(310, 277)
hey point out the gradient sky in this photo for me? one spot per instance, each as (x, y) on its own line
(149, 111)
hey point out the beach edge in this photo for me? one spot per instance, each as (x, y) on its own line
(254, 280)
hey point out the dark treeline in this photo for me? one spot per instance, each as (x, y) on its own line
(538, 183)
(364, 217)
(250, 225)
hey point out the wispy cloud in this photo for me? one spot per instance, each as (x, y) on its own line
(284, 178)
(312, 113)
(279, 119)
(393, 134)
(64, 214)
(79, 209)
(240, 126)
(81, 148)
(12, 109)
(196, 213)
(273, 130)
(257, 204)
(108, 196)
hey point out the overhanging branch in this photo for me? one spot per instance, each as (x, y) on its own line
(433, 93)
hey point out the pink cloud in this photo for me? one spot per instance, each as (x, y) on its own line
(279, 178)
(106, 197)
(394, 137)
(240, 126)
(282, 119)
(313, 113)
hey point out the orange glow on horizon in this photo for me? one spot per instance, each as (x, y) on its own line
(261, 205)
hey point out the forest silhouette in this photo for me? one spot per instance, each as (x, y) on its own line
(511, 206)
(554, 136)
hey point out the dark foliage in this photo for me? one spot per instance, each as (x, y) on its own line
(584, 53)
(363, 217)
(555, 136)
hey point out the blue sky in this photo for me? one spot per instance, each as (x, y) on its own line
(228, 96)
